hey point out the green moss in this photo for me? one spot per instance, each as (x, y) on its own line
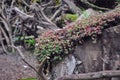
(71, 17)
(30, 41)
(57, 2)
(29, 79)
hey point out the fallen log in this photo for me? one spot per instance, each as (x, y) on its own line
(92, 75)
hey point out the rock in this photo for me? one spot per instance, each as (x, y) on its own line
(90, 54)
(103, 55)
(12, 66)
(79, 62)
(66, 67)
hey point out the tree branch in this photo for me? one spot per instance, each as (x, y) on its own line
(56, 13)
(72, 6)
(92, 75)
(94, 6)
(41, 75)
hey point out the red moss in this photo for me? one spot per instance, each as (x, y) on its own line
(67, 37)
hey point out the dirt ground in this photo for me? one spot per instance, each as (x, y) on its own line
(13, 68)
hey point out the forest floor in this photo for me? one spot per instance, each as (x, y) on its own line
(13, 68)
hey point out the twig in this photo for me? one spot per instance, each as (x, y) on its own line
(12, 3)
(22, 15)
(5, 35)
(41, 16)
(25, 3)
(41, 75)
(46, 5)
(8, 28)
(56, 13)
(2, 44)
(94, 6)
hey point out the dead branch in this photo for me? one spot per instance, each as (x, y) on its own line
(41, 17)
(1, 42)
(23, 15)
(56, 13)
(5, 36)
(12, 3)
(8, 29)
(25, 3)
(41, 75)
(94, 6)
(92, 75)
(72, 6)
(46, 5)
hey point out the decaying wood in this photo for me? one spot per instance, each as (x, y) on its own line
(92, 75)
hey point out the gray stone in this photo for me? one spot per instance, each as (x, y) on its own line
(66, 67)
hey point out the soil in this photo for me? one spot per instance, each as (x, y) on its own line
(13, 68)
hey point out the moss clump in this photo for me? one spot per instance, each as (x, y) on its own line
(71, 17)
(62, 42)
(29, 79)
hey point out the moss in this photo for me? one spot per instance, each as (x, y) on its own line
(30, 41)
(29, 79)
(62, 42)
(57, 2)
(71, 17)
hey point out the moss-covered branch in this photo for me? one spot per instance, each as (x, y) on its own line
(56, 44)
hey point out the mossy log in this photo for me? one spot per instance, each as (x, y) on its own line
(55, 45)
